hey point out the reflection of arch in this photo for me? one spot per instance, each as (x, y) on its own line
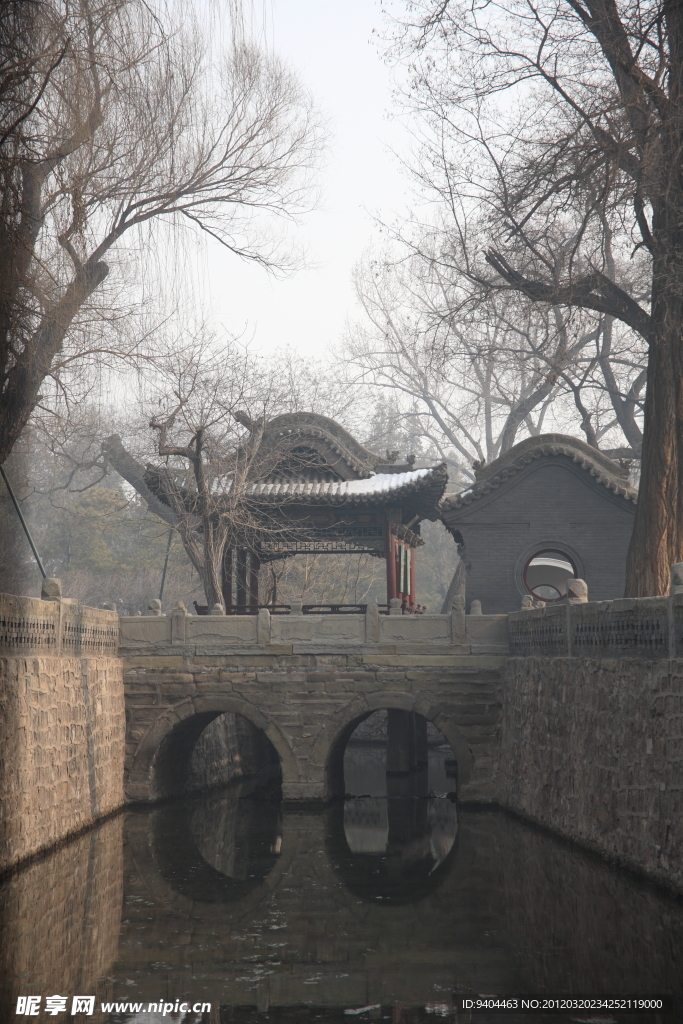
(328, 752)
(173, 901)
(180, 859)
(362, 874)
(163, 753)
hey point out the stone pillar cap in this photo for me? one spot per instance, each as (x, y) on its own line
(51, 589)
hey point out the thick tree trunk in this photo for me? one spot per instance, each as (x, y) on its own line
(214, 546)
(657, 540)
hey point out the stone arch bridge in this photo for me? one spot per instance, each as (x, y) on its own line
(307, 682)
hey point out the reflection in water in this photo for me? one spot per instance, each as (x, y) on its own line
(395, 839)
(218, 849)
(293, 917)
(60, 920)
(392, 849)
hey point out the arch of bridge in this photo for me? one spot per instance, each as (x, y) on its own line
(300, 762)
(341, 724)
(140, 782)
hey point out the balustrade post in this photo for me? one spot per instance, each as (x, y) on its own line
(372, 623)
(458, 620)
(178, 623)
(263, 626)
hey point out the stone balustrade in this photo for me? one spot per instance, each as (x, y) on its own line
(649, 627)
(56, 626)
(287, 634)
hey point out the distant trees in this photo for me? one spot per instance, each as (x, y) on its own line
(559, 125)
(115, 117)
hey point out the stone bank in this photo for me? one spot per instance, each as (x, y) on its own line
(571, 716)
(62, 725)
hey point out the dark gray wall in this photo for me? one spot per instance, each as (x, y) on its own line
(552, 503)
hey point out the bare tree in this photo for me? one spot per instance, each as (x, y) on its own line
(472, 369)
(124, 119)
(561, 122)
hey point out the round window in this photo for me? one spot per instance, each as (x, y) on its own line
(546, 575)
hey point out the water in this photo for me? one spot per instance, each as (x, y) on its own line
(391, 903)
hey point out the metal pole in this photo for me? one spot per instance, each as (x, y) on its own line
(168, 551)
(23, 523)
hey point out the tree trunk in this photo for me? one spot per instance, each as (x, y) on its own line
(456, 587)
(657, 540)
(213, 557)
(134, 472)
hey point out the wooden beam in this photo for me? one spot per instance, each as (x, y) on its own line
(242, 555)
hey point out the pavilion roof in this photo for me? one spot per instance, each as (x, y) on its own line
(421, 488)
(375, 489)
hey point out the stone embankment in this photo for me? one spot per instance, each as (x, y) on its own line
(593, 749)
(571, 715)
(62, 729)
(592, 727)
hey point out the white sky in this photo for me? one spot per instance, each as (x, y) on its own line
(330, 46)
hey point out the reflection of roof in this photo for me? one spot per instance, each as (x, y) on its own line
(491, 477)
(555, 562)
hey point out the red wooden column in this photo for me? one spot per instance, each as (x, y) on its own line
(227, 580)
(391, 562)
(254, 566)
(411, 596)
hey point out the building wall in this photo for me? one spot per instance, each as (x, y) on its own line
(552, 503)
(593, 749)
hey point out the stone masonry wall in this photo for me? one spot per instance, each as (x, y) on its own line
(297, 697)
(62, 730)
(593, 749)
(216, 758)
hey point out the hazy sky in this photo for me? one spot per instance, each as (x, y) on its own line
(330, 45)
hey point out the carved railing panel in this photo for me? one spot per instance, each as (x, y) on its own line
(29, 625)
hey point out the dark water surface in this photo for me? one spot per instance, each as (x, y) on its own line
(390, 903)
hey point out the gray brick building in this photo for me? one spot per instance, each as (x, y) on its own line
(551, 508)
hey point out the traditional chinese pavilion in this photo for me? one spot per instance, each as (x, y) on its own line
(316, 490)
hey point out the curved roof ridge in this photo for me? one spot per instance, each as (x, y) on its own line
(599, 465)
(314, 424)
